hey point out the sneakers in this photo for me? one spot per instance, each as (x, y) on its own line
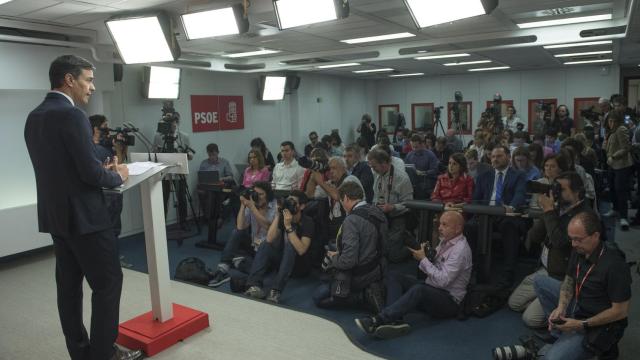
(624, 224)
(274, 296)
(236, 261)
(255, 292)
(219, 278)
(373, 326)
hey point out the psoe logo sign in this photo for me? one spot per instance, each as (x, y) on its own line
(210, 117)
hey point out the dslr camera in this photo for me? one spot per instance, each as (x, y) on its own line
(250, 194)
(125, 139)
(534, 187)
(429, 251)
(313, 165)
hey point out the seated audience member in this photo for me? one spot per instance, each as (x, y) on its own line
(287, 175)
(337, 148)
(254, 218)
(258, 144)
(430, 140)
(454, 187)
(395, 161)
(329, 190)
(588, 311)
(256, 171)
(216, 163)
(519, 139)
(313, 142)
(453, 141)
(356, 267)
(479, 142)
(552, 167)
(308, 184)
(506, 137)
(422, 158)
(447, 275)
(406, 142)
(383, 141)
(504, 186)
(550, 232)
(536, 155)
(391, 188)
(442, 153)
(540, 140)
(285, 250)
(577, 146)
(360, 169)
(523, 163)
(551, 141)
(511, 121)
(475, 168)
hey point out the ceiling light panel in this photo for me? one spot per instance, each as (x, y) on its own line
(373, 71)
(565, 21)
(429, 13)
(584, 53)
(252, 53)
(490, 68)
(293, 13)
(378, 38)
(589, 43)
(431, 57)
(587, 61)
(140, 39)
(336, 65)
(210, 23)
(462, 63)
(406, 75)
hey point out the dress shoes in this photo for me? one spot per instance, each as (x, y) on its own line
(121, 354)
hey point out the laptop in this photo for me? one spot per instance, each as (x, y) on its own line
(209, 177)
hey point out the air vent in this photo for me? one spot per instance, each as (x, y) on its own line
(469, 45)
(603, 31)
(558, 11)
(244, 66)
(308, 61)
(356, 56)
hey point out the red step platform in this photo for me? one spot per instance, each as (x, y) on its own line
(142, 332)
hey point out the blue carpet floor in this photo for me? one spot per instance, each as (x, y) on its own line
(430, 338)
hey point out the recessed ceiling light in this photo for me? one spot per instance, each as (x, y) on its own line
(587, 61)
(252, 53)
(585, 53)
(589, 43)
(441, 56)
(373, 70)
(421, 51)
(467, 63)
(406, 75)
(336, 65)
(573, 20)
(490, 68)
(378, 38)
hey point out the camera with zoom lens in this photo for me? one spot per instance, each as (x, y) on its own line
(429, 251)
(125, 139)
(169, 117)
(513, 352)
(250, 194)
(534, 187)
(590, 114)
(287, 204)
(313, 165)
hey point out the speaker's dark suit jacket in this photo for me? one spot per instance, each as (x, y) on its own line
(513, 193)
(69, 176)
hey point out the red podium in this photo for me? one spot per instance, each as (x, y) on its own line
(166, 323)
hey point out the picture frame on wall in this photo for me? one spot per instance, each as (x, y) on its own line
(465, 126)
(503, 106)
(537, 110)
(422, 116)
(579, 105)
(387, 117)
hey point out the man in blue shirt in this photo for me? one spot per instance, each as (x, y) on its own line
(523, 163)
(422, 158)
(216, 163)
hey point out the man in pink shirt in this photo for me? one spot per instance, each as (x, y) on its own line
(448, 272)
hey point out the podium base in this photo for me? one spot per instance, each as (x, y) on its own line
(142, 332)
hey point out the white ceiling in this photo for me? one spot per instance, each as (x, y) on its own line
(493, 37)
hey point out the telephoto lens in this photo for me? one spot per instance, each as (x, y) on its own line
(513, 352)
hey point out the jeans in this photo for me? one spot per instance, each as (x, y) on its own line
(406, 293)
(569, 344)
(323, 299)
(240, 239)
(524, 299)
(273, 256)
(620, 192)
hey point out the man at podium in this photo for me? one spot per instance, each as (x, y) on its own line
(71, 207)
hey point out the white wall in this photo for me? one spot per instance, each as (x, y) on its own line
(25, 81)
(519, 86)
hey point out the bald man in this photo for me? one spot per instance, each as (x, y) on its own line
(439, 295)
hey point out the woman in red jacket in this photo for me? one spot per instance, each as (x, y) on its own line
(456, 186)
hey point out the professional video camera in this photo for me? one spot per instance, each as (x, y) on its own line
(495, 112)
(121, 136)
(534, 187)
(313, 165)
(590, 114)
(169, 117)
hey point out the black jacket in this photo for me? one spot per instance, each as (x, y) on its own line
(69, 176)
(363, 172)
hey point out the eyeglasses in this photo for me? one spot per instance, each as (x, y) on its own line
(578, 239)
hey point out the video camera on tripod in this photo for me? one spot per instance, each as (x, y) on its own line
(120, 136)
(495, 113)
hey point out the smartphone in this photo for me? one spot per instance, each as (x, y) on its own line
(558, 321)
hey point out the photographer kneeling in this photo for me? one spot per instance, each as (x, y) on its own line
(448, 271)
(357, 265)
(285, 250)
(560, 201)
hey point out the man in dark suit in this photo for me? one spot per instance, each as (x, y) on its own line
(71, 207)
(503, 186)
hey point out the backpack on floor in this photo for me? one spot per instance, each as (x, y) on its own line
(193, 270)
(482, 300)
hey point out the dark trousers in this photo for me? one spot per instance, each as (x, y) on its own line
(322, 298)
(406, 293)
(114, 206)
(273, 256)
(619, 187)
(180, 188)
(94, 257)
(240, 240)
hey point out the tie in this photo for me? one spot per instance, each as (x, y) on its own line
(499, 188)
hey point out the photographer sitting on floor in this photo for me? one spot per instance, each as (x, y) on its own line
(356, 265)
(550, 230)
(448, 270)
(257, 210)
(285, 250)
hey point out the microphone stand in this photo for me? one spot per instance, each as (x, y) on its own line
(144, 140)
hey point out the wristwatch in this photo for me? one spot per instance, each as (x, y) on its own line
(585, 325)
(289, 230)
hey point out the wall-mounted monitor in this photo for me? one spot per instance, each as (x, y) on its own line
(161, 82)
(272, 87)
